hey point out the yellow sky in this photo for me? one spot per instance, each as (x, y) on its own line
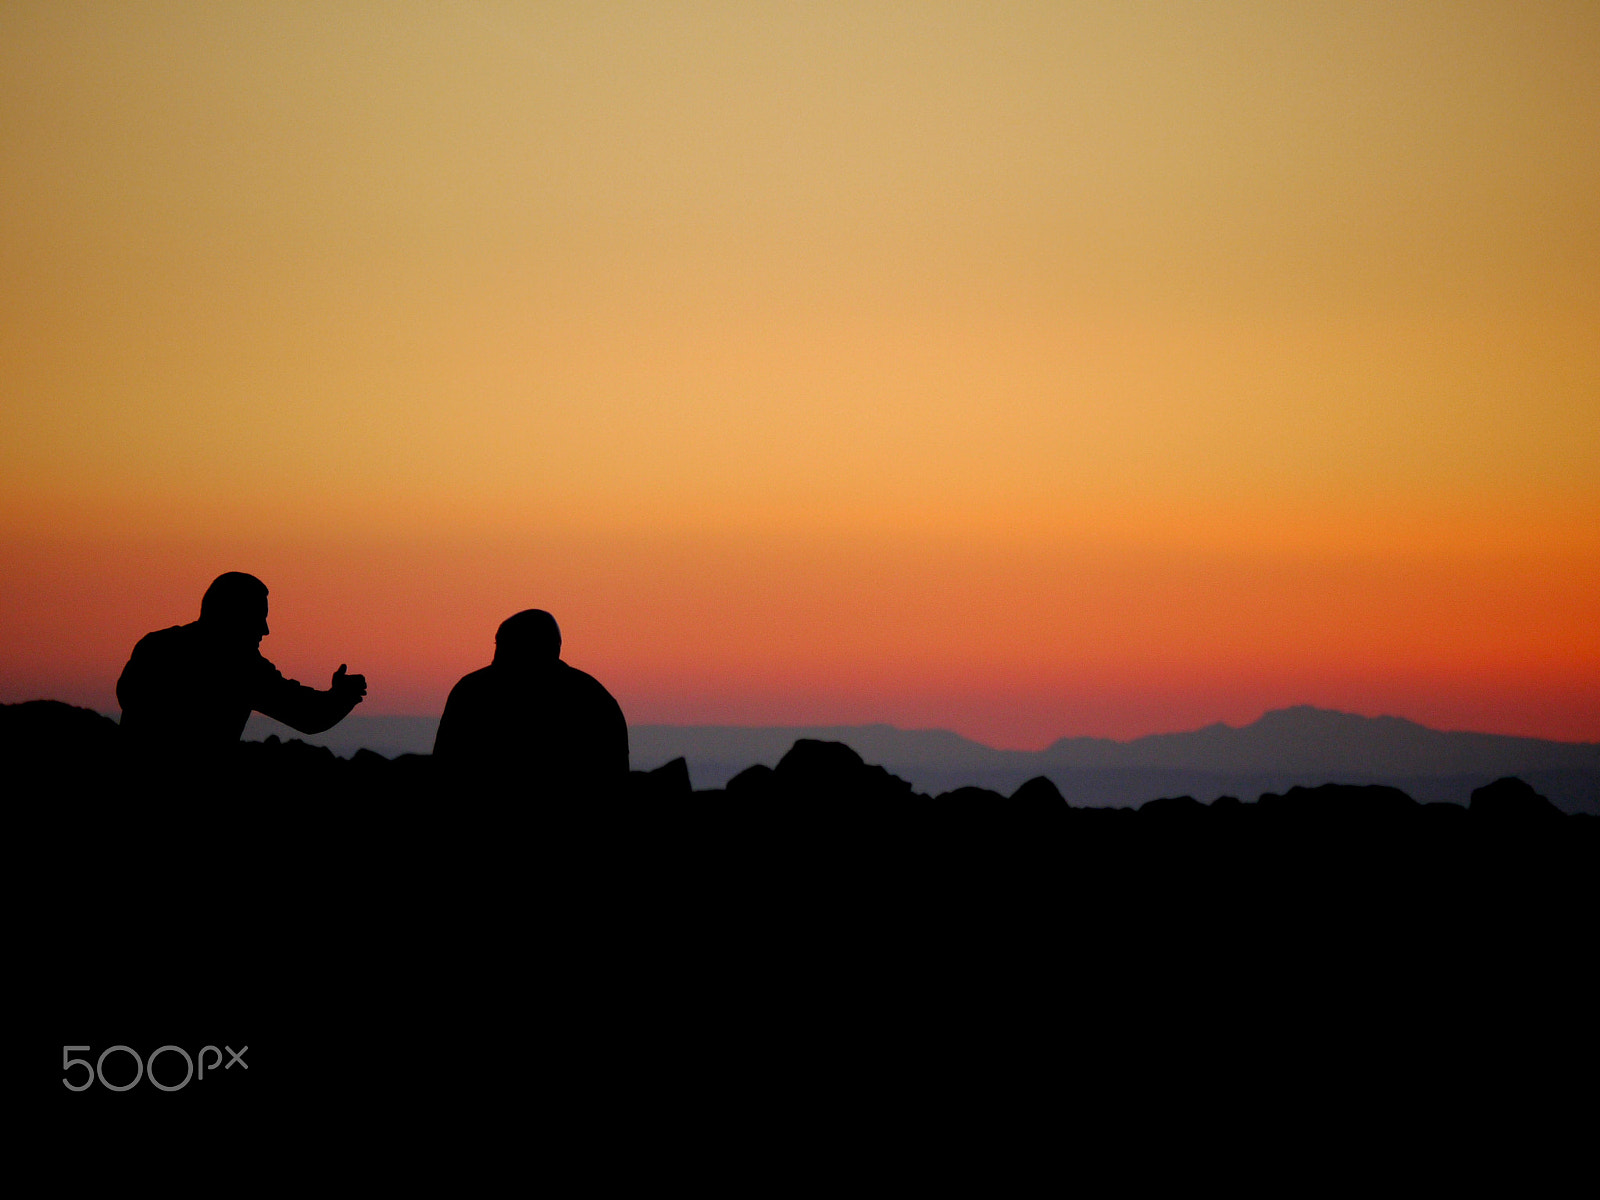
(1310, 285)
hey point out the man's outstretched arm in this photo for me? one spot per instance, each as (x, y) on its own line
(307, 709)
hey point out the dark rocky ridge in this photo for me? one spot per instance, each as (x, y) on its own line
(1291, 746)
(1286, 747)
(815, 921)
(1303, 741)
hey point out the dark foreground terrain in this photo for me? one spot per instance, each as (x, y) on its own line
(814, 948)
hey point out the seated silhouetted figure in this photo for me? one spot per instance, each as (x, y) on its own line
(187, 691)
(529, 723)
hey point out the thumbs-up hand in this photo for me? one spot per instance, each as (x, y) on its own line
(353, 686)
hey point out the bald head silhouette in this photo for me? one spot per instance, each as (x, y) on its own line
(528, 640)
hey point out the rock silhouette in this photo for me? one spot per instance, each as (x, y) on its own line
(1513, 801)
(818, 925)
(1282, 749)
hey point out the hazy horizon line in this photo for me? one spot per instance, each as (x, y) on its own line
(803, 725)
(115, 715)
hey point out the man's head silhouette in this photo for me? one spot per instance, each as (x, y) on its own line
(528, 640)
(235, 608)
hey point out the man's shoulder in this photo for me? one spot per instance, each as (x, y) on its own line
(582, 683)
(474, 682)
(574, 677)
(171, 638)
(174, 632)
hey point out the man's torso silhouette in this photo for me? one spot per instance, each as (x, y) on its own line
(530, 721)
(188, 690)
(181, 688)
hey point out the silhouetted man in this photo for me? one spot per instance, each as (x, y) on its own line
(188, 690)
(529, 721)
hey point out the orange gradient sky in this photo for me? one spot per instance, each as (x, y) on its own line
(1023, 369)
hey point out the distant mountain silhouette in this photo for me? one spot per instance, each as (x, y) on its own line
(388, 736)
(1286, 747)
(1316, 740)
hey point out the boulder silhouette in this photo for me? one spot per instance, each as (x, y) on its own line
(48, 730)
(809, 762)
(758, 780)
(1040, 792)
(47, 748)
(1173, 809)
(670, 781)
(1339, 803)
(970, 795)
(833, 769)
(1510, 799)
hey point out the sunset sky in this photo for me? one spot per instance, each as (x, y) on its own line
(1023, 369)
